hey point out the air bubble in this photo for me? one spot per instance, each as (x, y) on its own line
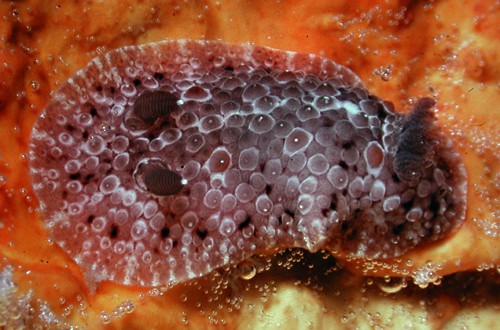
(247, 270)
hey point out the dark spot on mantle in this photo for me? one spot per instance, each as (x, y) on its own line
(114, 231)
(158, 76)
(201, 234)
(245, 223)
(164, 232)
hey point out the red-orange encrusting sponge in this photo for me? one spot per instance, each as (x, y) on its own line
(159, 163)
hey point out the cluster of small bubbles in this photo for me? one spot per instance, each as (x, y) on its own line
(385, 72)
(20, 309)
(489, 227)
(485, 266)
(348, 317)
(126, 307)
(427, 274)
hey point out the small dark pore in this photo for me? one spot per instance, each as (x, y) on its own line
(245, 223)
(269, 189)
(407, 206)
(325, 212)
(333, 203)
(290, 213)
(434, 205)
(64, 194)
(201, 233)
(114, 231)
(164, 232)
(85, 134)
(158, 76)
(229, 68)
(136, 82)
(381, 113)
(98, 88)
(70, 128)
(87, 178)
(343, 165)
(90, 218)
(347, 145)
(75, 176)
(398, 229)
(93, 112)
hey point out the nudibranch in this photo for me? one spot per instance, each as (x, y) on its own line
(161, 162)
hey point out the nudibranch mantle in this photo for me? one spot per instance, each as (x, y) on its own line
(159, 163)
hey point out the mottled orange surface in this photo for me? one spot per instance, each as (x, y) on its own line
(401, 49)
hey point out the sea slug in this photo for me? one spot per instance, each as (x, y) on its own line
(161, 162)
